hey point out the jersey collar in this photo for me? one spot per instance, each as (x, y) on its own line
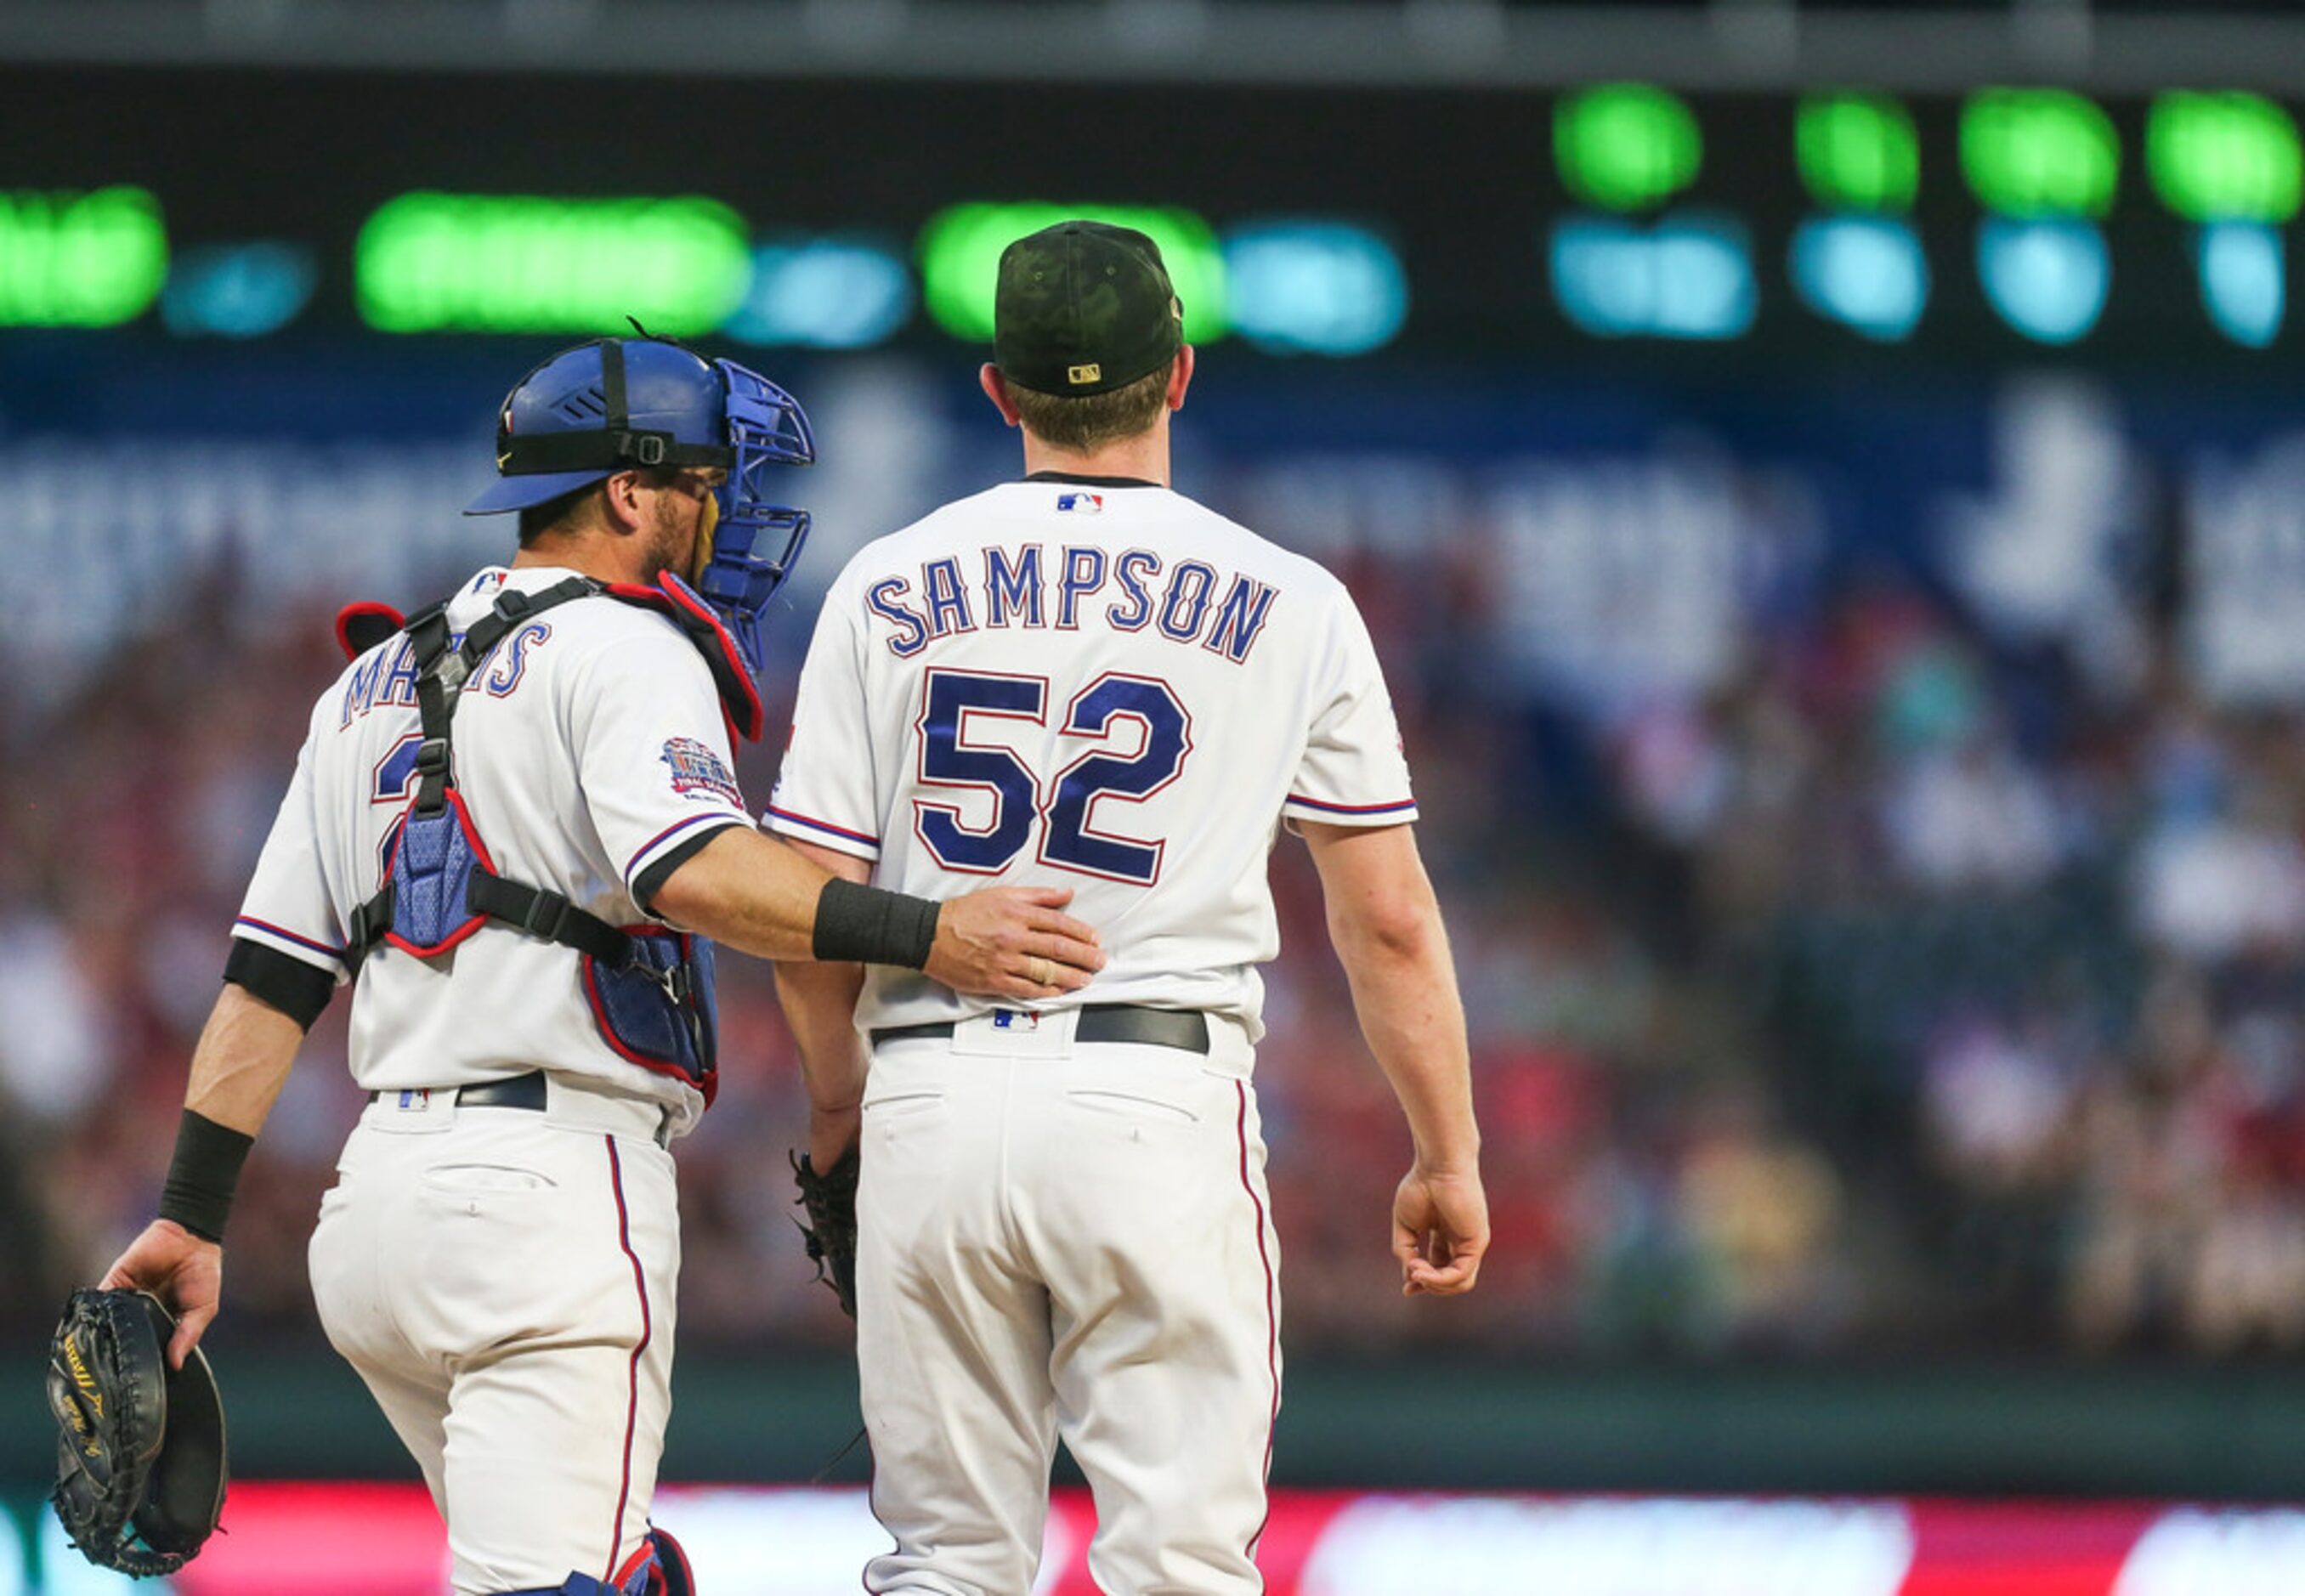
(1081, 481)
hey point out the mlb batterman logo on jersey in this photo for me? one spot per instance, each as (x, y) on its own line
(1080, 503)
(696, 768)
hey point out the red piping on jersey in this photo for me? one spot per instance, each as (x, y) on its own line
(265, 925)
(632, 1402)
(1272, 1318)
(1352, 809)
(648, 846)
(801, 819)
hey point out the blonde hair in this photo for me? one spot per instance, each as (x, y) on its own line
(1083, 423)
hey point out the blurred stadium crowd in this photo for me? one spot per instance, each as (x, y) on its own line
(1881, 982)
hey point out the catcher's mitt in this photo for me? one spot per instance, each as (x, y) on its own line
(139, 1452)
(830, 1233)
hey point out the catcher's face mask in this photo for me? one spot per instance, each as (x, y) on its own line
(628, 403)
(744, 558)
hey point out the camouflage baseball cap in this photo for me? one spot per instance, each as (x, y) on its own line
(1084, 308)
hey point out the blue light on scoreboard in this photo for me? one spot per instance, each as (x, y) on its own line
(2244, 280)
(1688, 275)
(823, 294)
(237, 291)
(1869, 273)
(2047, 279)
(1314, 287)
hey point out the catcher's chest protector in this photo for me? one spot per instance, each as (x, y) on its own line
(649, 987)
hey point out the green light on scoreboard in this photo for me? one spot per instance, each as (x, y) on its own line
(80, 260)
(2039, 152)
(1625, 146)
(1858, 151)
(960, 255)
(482, 263)
(2224, 158)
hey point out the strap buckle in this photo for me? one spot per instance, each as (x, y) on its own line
(547, 915)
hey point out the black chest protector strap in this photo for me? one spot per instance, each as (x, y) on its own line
(442, 672)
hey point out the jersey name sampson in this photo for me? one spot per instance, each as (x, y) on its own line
(1079, 585)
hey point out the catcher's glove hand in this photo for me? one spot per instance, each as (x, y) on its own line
(140, 1453)
(830, 1233)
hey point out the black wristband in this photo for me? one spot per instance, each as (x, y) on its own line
(202, 1174)
(866, 925)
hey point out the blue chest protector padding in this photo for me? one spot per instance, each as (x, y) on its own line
(650, 987)
(657, 1009)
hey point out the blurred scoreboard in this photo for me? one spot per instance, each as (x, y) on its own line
(1997, 224)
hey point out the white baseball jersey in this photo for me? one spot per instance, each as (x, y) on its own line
(590, 745)
(1097, 685)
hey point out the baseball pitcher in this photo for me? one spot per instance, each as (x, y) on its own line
(1084, 679)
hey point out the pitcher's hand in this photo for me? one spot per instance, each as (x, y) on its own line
(1440, 1230)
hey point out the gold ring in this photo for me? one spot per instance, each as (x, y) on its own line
(1041, 972)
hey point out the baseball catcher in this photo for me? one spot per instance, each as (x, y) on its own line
(139, 1448)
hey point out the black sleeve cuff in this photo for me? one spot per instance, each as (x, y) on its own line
(650, 881)
(296, 989)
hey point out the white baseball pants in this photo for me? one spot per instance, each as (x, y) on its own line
(1075, 1241)
(502, 1280)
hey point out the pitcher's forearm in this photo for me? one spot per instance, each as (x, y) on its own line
(1414, 1022)
(820, 1005)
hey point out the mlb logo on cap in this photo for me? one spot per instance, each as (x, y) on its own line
(1080, 503)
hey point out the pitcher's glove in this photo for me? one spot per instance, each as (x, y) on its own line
(139, 1452)
(830, 1233)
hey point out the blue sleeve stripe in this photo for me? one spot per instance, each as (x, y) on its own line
(717, 817)
(824, 825)
(269, 930)
(1352, 809)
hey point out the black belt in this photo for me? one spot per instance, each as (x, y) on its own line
(519, 1091)
(1184, 1028)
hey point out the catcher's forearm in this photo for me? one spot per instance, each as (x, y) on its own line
(243, 1055)
(760, 895)
(242, 1060)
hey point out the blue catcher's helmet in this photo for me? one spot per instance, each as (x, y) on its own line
(624, 403)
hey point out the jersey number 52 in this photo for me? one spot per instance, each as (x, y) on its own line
(951, 700)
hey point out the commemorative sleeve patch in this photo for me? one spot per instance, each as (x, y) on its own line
(697, 769)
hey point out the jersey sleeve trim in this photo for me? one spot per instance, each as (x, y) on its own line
(837, 837)
(1354, 814)
(291, 943)
(638, 864)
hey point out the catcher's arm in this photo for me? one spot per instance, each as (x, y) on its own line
(820, 1005)
(238, 1067)
(1386, 926)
